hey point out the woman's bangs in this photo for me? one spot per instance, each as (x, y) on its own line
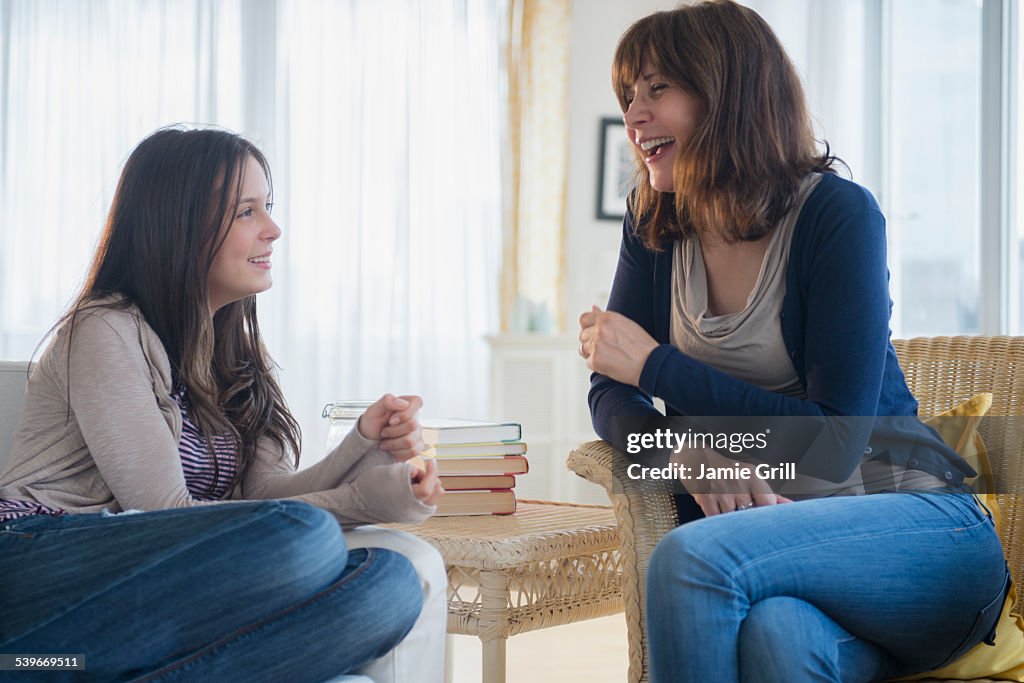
(635, 49)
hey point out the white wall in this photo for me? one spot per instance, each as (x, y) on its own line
(591, 245)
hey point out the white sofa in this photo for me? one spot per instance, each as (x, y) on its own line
(13, 376)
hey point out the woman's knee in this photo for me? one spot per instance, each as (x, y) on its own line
(779, 642)
(772, 630)
(785, 639)
(682, 552)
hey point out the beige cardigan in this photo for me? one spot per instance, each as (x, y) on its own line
(118, 447)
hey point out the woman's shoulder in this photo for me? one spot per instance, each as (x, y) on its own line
(837, 210)
(837, 196)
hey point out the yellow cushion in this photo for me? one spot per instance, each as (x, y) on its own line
(1004, 661)
(958, 427)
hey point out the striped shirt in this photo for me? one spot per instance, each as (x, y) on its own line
(204, 479)
(13, 509)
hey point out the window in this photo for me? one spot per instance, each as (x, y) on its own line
(931, 164)
(918, 96)
(381, 120)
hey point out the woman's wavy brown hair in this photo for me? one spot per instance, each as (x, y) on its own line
(739, 172)
(177, 194)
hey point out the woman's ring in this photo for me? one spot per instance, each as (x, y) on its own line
(745, 506)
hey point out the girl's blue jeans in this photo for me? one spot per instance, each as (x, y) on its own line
(835, 589)
(261, 591)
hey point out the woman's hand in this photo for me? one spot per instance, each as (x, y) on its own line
(426, 484)
(717, 496)
(717, 503)
(394, 421)
(614, 345)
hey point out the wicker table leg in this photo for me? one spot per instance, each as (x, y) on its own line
(494, 619)
(495, 663)
(562, 559)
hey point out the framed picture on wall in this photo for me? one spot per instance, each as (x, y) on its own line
(615, 170)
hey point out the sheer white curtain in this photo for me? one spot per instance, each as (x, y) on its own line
(388, 123)
(82, 83)
(382, 122)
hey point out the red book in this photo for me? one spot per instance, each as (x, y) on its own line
(476, 503)
(509, 464)
(486, 482)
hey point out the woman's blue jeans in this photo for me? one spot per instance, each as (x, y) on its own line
(261, 591)
(835, 589)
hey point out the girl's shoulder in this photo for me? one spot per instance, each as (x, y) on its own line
(105, 325)
(108, 333)
(115, 312)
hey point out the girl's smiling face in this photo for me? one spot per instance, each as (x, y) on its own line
(241, 266)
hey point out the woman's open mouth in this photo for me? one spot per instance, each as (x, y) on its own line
(656, 148)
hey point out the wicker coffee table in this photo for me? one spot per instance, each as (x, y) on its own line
(548, 564)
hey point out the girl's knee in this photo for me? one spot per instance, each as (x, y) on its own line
(303, 525)
(424, 557)
(299, 541)
(301, 515)
(396, 584)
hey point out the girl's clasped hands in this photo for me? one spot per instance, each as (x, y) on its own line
(394, 422)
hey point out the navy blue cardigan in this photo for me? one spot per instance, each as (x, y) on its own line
(835, 325)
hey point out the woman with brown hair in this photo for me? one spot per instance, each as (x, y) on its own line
(752, 281)
(151, 517)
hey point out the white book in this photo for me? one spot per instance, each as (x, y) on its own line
(443, 431)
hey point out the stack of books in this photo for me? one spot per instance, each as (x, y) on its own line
(478, 463)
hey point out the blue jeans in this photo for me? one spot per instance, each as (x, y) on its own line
(835, 589)
(261, 591)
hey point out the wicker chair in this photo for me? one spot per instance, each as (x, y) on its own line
(941, 372)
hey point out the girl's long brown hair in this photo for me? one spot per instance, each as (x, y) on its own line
(177, 193)
(739, 171)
